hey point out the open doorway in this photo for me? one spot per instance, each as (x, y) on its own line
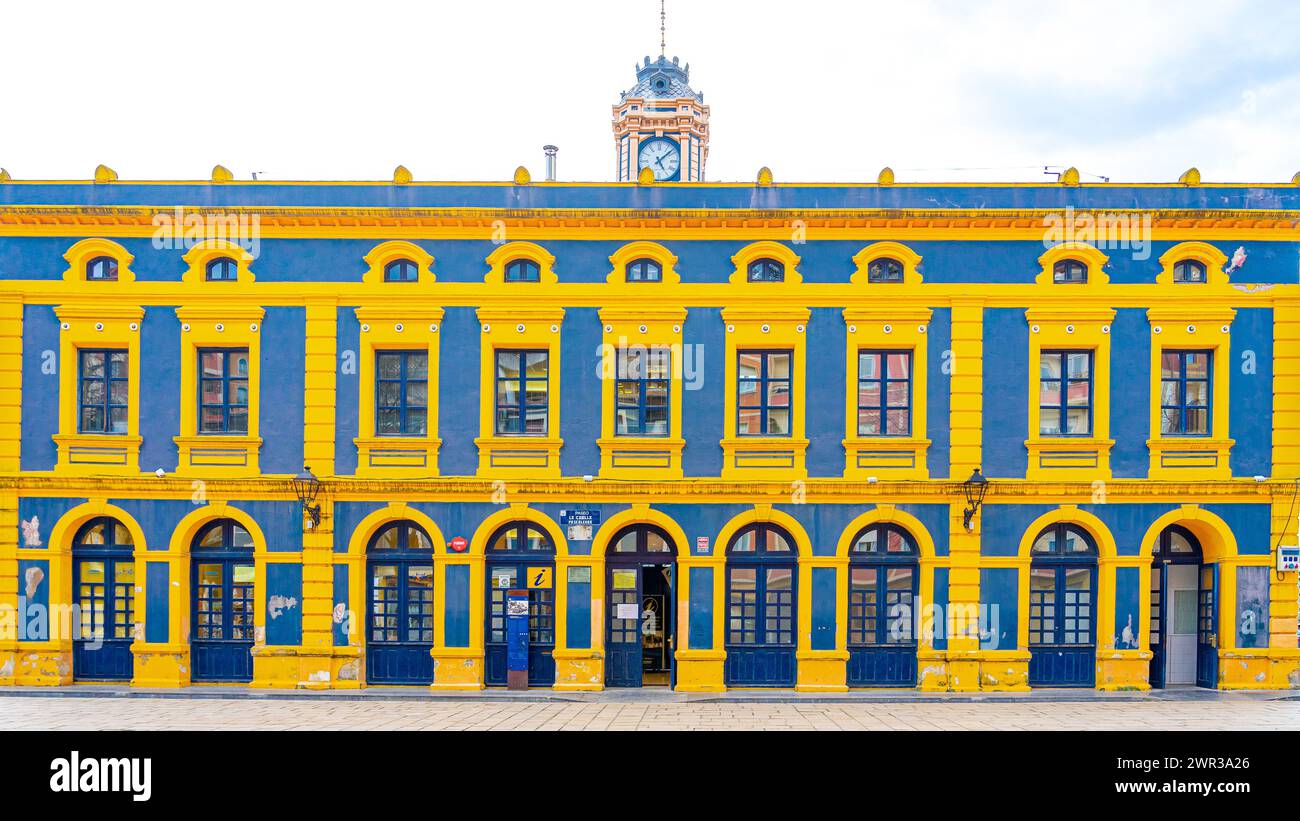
(640, 636)
(1180, 591)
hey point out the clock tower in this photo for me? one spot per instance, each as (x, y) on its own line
(661, 124)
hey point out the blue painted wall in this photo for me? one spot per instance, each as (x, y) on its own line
(1250, 392)
(160, 393)
(342, 626)
(825, 390)
(348, 392)
(284, 363)
(1128, 608)
(999, 608)
(1130, 393)
(40, 411)
(578, 627)
(458, 392)
(157, 606)
(703, 417)
(284, 623)
(939, 393)
(457, 598)
(580, 399)
(701, 608)
(1006, 393)
(823, 608)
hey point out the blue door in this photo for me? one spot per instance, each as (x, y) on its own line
(103, 576)
(521, 556)
(883, 579)
(1062, 593)
(761, 619)
(1159, 581)
(1207, 628)
(639, 635)
(222, 600)
(399, 618)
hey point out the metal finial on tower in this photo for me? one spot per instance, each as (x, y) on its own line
(663, 16)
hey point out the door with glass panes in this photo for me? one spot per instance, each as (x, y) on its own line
(521, 556)
(399, 621)
(883, 579)
(1175, 574)
(1062, 598)
(222, 603)
(639, 636)
(103, 576)
(761, 603)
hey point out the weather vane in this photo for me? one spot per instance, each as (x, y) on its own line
(663, 43)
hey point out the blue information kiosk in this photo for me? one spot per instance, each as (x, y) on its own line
(517, 639)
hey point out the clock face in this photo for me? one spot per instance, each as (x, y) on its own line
(663, 157)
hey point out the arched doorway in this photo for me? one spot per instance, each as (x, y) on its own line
(1183, 624)
(1062, 608)
(640, 631)
(103, 576)
(222, 602)
(884, 574)
(521, 556)
(399, 618)
(761, 596)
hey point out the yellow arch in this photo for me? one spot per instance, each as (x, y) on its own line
(637, 515)
(1216, 538)
(518, 512)
(393, 512)
(192, 522)
(1071, 514)
(68, 524)
(887, 514)
(764, 514)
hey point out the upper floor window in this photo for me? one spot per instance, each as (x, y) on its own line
(644, 270)
(763, 393)
(884, 393)
(523, 270)
(1185, 393)
(1065, 393)
(223, 390)
(401, 270)
(401, 393)
(885, 269)
(641, 391)
(522, 393)
(766, 270)
(102, 269)
(104, 384)
(222, 269)
(1069, 271)
(1189, 270)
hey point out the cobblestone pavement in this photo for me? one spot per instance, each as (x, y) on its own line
(143, 713)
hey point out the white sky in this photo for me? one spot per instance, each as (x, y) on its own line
(819, 90)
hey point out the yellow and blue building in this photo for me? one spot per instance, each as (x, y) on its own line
(721, 433)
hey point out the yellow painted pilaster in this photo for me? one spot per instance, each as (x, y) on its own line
(1286, 388)
(320, 387)
(9, 614)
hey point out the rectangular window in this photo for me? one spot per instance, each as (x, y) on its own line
(884, 393)
(103, 390)
(641, 391)
(1185, 393)
(223, 390)
(401, 393)
(763, 393)
(522, 393)
(1065, 393)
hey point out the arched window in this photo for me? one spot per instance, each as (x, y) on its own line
(102, 269)
(885, 269)
(1069, 271)
(642, 539)
(103, 581)
(1189, 270)
(222, 602)
(521, 537)
(520, 556)
(883, 589)
(644, 270)
(761, 600)
(523, 270)
(222, 269)
(1062, 590)
(399, 620)
(401, 270)
(766, 270)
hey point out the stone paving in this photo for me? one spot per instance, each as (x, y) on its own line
(144, 712)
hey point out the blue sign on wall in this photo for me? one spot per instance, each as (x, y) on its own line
(579, 525)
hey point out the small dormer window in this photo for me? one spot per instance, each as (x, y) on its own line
(102, 269)
(885, 270)
(1189, 270)
(222, 269)
(644, 270)
(401, 270)
(523, 270)
(766, 270)
(1069, 271)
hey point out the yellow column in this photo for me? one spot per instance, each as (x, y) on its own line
(1283, 653)
(11, 383)
(319, 386)
(9, 614)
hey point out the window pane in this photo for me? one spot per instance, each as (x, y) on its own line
(778, 422)
(1049, 366)
(508, 365)
(778, 366)
(1198, 365)
(1170, 365)
(869, 423)
(869, 366)
(1049, 394)
(899, 365)
(388, 365)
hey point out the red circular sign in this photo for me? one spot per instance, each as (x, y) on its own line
(458, 544)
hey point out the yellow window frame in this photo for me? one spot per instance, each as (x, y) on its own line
(220, 455)
(518, 457)
(1192, 327)
(766, 329)
(397, 329)
(873, 329)
(1080, 458)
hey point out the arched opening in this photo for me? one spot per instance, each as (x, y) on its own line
(399, 615)
(103, 578)
(762, 565)
(1062, 608)
(640, 632)
(884, 575)
(221, 269)
(1183, 625)
(520, 560)
(223, 602)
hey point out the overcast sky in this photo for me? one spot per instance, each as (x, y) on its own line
(819, 90)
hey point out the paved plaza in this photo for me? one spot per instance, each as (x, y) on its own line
(120, 710)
